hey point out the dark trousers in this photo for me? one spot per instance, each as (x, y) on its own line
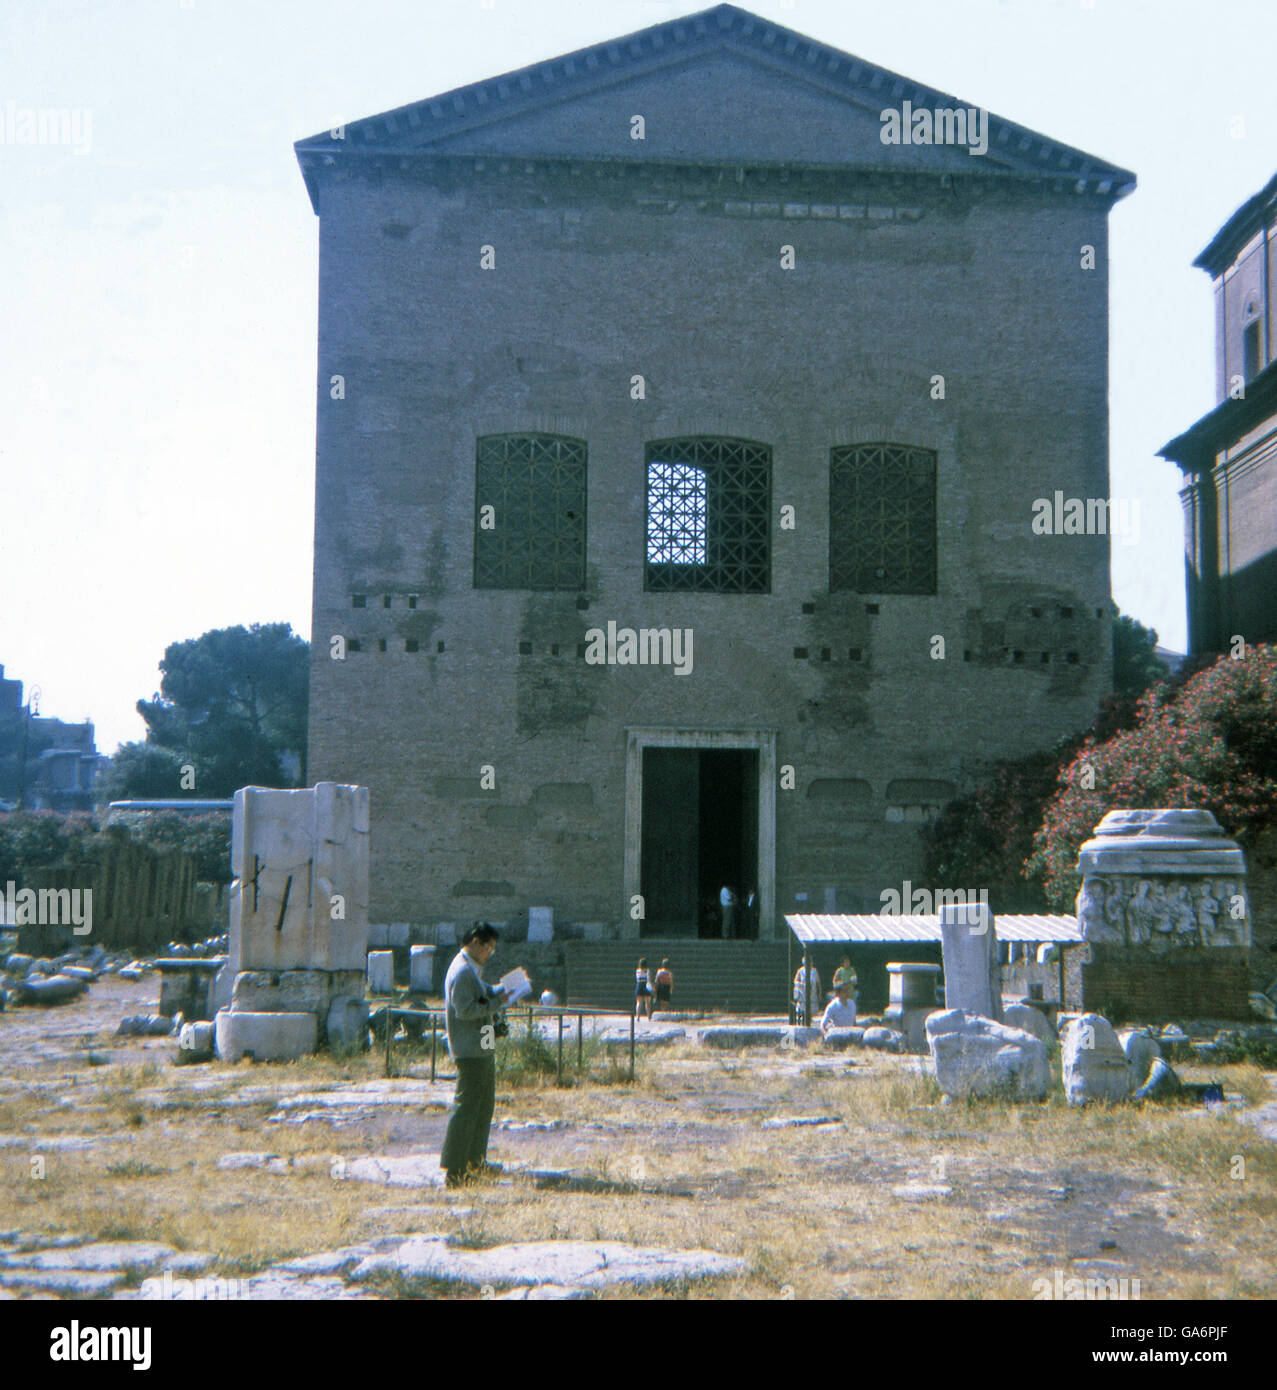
(466, 1143)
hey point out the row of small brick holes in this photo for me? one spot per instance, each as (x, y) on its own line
(800, 653)
(361, 601)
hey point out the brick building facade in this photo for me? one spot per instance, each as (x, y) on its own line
(1229, 457)
(662, 336)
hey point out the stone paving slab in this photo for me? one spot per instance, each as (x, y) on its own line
(78, 1282)
(109, 1255)
(565, 1263)
(803, 1122)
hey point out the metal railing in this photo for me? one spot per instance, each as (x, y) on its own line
(438, 1016)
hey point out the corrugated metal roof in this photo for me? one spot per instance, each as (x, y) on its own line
(874, 926)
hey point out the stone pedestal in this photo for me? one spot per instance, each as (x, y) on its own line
(1164, 910)
(381, 972)
(972, 973)
(298, 921)
(913, 997)
(421, 969)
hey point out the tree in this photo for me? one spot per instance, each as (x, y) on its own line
(141, 770)
(985, 838)
(1136, 665)
(231, 708)
(1210, 744)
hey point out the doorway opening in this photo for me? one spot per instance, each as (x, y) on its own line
(699, 853)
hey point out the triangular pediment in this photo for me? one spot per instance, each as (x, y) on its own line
(721, 87)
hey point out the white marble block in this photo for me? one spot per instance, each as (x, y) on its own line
(540, 924)
(974, 1055)
(265, 1037)
(381, 972)
(1095, 1066)
(972, 973)
(421, 969)
(300, 860)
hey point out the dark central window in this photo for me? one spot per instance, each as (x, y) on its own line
(709, 515)
(529, 522)
(882, 519)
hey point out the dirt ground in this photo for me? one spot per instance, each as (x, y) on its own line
(894, 1194)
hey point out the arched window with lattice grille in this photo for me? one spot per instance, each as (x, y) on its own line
(709, 515)
(882, 519)
(529, 512)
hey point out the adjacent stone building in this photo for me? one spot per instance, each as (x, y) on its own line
(46, 764)
(678, 446)
(1229, 457)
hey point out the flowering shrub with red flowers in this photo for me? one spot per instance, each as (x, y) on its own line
(1211, 743)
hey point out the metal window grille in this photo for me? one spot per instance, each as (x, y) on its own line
(882, 519)
(709, 515)
(535, 484)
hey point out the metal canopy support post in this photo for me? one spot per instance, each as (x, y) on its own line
(807, 987)
(434, 1041)
(789, 973)
(560, 1049)
(631, 1047)
(580, 1042)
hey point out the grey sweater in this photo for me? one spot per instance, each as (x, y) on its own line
(471, 1005)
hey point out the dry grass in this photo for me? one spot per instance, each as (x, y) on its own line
(812, 1212)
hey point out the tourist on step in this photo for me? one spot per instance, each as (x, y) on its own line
(846, 975)
(800, 992)
(643, 990)
(664, 984)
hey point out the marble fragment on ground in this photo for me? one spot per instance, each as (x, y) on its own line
(569, 1264)
(977, 1056)
(1095, 1066)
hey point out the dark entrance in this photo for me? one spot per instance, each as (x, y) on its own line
(700, 835)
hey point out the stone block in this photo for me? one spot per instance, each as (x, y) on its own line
(265, 1037)
(397, 934)
(446, 934)
(346, 1024)
(1029, 1020)
(381, 972)
(884, 1039)
(972, 974)
(593, 931)
(378, 935)
(197, 1039)
(289, 992)
(837, 1039)
(294, 855)
(1141, 1052)
(759, 1035)
(1163, 1082)
(1095, 1067)
(540, 924)
(979, 1056)
(421, 969)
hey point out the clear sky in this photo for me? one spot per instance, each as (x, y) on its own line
(158, 272)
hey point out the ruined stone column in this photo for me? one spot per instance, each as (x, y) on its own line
(1164, 910)
(298, 922)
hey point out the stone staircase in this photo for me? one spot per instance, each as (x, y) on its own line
(742, 976)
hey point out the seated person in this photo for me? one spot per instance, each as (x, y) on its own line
(841, 1012)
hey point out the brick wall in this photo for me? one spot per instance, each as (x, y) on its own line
(979, 283)
(1208, 985)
